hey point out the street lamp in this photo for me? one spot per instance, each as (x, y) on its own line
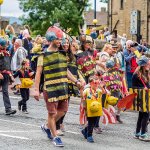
(94, 20)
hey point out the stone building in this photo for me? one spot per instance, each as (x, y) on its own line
(101, 17)
(120, 17)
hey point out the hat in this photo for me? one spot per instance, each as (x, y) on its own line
(3, 42)
(88, 39)
(114, 45)
(50, 36)
(54, 33)
(143, 60)
(110, 64)
(93, 35)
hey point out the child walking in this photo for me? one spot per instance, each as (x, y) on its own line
(93, 106)
(25, 74)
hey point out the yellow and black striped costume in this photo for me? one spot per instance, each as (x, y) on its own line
(73, 89)
(142, 100)
(55, 75)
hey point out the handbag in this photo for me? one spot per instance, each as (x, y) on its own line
(26, 83)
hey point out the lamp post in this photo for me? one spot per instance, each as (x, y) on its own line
(95, 20)
(1, 2)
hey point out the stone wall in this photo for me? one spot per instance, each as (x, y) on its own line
(123, 15)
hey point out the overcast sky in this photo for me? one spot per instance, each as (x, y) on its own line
(11, 7)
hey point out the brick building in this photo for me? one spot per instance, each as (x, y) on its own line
(120, 17)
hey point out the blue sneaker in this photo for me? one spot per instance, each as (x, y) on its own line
(90, 139)
(47, 131)
(84, 133)
(57, 142)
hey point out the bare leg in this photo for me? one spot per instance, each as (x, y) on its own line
(52, 118)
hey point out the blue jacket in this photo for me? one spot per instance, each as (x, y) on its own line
(128, 56)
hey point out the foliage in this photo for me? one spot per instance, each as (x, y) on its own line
(40, 14)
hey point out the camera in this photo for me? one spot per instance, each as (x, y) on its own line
(134, 44)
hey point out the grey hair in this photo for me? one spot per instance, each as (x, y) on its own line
(19, 41)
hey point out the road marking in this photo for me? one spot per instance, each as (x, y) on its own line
(20, 123)
(73, 106)
(72, 132)
(15, 131)
(14, 97)
(16, 137)
(35, 125)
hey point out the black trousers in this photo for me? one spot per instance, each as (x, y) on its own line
(4, 84)
(91, 124)
(25, 97)
(142, 122)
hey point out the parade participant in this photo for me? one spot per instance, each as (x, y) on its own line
(25, 40)
(10, 32)
(25, 74)
(5, 75)
(106, 33)
(101, 35)
(141, 85)
(93, 106)
(19, 55)
(86, 60)
(113, 78)
(71, 50)
(104, 56)
(123, 39)
(54, 65)
(130, 58)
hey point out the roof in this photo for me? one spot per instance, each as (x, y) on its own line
(100, 16)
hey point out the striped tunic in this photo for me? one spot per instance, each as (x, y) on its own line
(72, 88)
(142, 100)
(55, 75)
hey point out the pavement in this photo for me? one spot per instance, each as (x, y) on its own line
(22, 131)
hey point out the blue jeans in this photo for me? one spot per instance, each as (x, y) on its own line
(129, 79)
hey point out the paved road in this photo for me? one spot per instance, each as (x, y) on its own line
(22, 132)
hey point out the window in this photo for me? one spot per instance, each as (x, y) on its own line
(121, 4)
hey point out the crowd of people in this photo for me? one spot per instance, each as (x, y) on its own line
(61, 66)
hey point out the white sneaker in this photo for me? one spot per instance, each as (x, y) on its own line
(60, 133)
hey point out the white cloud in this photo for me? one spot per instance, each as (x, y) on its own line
(11, 8)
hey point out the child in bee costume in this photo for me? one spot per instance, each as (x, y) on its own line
(93, 106)
(25, 75)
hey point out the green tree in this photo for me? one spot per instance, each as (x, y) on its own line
(40, 14)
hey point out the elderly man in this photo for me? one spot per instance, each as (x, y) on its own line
(132, 52)
(5, 76)
(19, 55)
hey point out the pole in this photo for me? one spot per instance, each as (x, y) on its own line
(111, 13)
(94, 9)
